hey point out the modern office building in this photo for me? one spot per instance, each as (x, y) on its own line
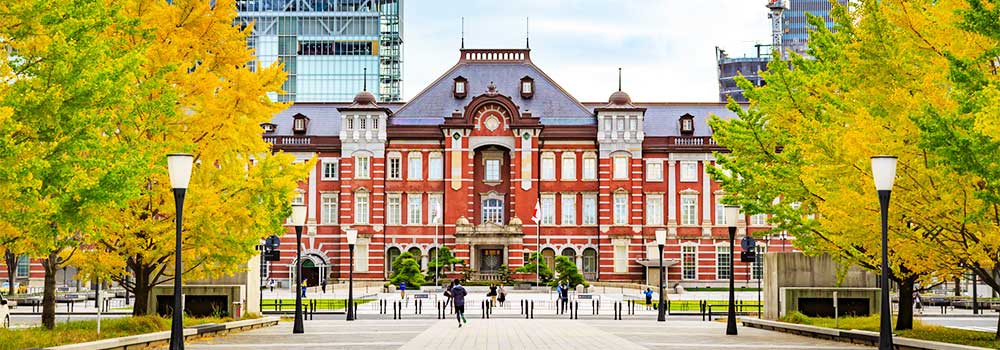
(731, 67)
(796, 27)
(331, 48)
(464, 162)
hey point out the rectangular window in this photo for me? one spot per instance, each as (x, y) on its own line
(23, 266)
(689, 209)
(654, 170)
(459, 87)
(548, 167)
(329, 206)
(526, 87)
(621, 258)
(330, 170)
(363, 165)
(363, 122)
(607, 124)
(589, 209)
(435, 167)
(492, 170)
(361, 208)
(569, 167)
(720, 212)
(689, 262)
(568, 209)
(621, 168)
(689, 171)
(361, 257)
(548, 209)
(722, 260)
(621, 208)
(434, 209)
(300, 198)
(375, 123)
(493, 211)
(590, 168)
(621, 124)
(413, 209)
(633, 124)
(654, 209)
(393, 209)
(758, 220)
(414, 167)
(758, 263)
(395, 168)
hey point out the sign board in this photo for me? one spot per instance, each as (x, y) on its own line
(584, 296)
(421, 296)
(748, 256)
(748, 243)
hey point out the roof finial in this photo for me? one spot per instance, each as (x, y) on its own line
(527, 33)
(619, 78)
(364, 80)
(463, 32)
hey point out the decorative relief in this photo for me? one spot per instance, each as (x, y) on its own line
(492, 123)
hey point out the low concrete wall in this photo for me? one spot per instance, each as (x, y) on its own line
(791, 297)
(796, 270)
(162, 338)
(852, 336)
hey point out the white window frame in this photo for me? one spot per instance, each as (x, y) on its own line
(459, 87)
(689, 171)
(328, 204)
(414, 166)
(654, 209)
(568, 172)
(434, 205)
(621, 208)
(330, 169)
(526, 87)
(720, 212)
(361, 256)
(361, 207)
(654, 170)
(548, 209)
(393, 209)
(589, 166)
(758, 220)
(394, 166)
(374, 122)
(689, 249)
(363, 166)
(689, 209)
(548, 166)
(435, 166)
(590, 209)
(568, 217)
(493, 213)
(621, 168)
(621, 258)
(24, 261)
(414, 209)
(720, 267)
(492, 174)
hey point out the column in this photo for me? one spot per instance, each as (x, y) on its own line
(672, 197)
(706, 199)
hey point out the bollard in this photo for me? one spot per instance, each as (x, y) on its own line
(598, 311)
(355, 310)
(482, 306)
(489, 308)
(576, 312)
(571, 311)
(532, 309)
(394, 310)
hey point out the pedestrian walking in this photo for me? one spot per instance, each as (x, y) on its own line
(305, 283)
(458, 293)
(917, 303)
(564, 296)
(271, 284)
(649, 297)
(323, 286)
(402, 290)
(492, 294)
(447, 293)
(501, 295)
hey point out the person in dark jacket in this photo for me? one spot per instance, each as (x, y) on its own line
(458, 293)
(563, 296)
(649, 297)
(492, 294)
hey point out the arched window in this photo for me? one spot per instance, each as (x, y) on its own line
(391, 256)
(590, 260)
(493, 211)
(569, 253)
(415, 252)
(549, 257)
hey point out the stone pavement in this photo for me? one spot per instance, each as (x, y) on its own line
(507, 333)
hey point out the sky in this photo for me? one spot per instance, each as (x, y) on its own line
(666, 48)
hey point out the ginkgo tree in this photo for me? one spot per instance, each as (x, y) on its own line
(807, 137)
(239, 193)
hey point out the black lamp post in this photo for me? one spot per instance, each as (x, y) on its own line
(661, 239)
(179, 169)
(352, 238)
(884, 174)
(298, 220)
(732, 213)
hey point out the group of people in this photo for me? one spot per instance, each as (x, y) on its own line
(271, 283)
(456, 293)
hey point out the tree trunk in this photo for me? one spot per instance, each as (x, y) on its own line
(904, 319)
(49, 296)
(11, 260)
(141, 289)
(958, 286)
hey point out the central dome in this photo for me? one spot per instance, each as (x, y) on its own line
(364, 98)
(619, 98)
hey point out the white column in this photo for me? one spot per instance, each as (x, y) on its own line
(706, 192)
(312, 193)
(671, 192)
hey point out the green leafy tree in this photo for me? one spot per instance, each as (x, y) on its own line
(443, 261)
(405, 268)
(567, 273)
(505, 276)
(536, 260)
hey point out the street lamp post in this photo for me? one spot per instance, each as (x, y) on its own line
(884, 174)
(179, 169)
(732, 213)
(298, 220)
(352, 238)
(661, 239)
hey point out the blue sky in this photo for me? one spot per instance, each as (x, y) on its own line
(666, 48)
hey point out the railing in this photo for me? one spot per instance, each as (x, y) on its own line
(590, 276)
(496, 55)
(486, 276)
(288, 140)
(693, 141)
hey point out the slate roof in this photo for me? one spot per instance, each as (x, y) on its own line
(550, 102)
(663, 118)
(324, 119)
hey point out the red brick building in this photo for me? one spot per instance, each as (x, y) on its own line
(485, 142)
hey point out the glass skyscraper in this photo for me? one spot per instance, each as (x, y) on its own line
(796, 28)
(331, 48)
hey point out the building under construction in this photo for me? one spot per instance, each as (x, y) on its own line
(331, 49)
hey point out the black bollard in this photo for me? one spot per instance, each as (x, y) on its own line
(489, 308)
(482, 306)
(598, 310)
(576, 312)
(532, 309)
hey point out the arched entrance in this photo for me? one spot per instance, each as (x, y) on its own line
(589, 264)
(391, 256)
(310, 273)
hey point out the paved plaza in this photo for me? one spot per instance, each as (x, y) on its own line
(512, 333)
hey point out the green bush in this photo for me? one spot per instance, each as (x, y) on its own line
(406, 269)
(544, 273)
(569, 275)
(445, 260)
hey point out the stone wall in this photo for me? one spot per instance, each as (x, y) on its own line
(796, 270)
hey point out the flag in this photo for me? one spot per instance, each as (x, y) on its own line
(437, 213)
(537, 216)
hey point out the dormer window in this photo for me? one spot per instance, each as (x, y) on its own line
(461, 87)
(268, 127)
(687, 124)
(300, 123)
(527, 87)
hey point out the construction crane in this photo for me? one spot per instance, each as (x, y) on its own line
(777, 7)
